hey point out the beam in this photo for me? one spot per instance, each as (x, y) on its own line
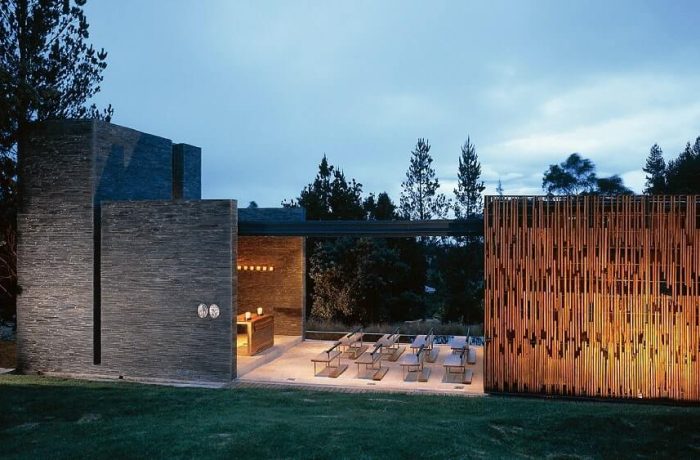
(366, 228)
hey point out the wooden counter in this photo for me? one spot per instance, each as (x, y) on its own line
(258, 333)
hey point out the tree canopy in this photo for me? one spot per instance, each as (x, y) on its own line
(572, 176)
(419, 197)
(330, 196)
(468, 199)
(656, 172)
(576, 175)
(48, 70)
(683, 173)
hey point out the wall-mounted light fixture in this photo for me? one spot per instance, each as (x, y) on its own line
(202, 310)
(256, 268)
(214, 311)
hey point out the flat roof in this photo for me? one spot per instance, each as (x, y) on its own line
(363, 228)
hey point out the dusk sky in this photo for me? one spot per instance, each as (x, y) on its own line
(266, 88)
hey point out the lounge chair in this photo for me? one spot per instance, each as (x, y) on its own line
(327, 358)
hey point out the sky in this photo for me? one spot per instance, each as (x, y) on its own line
(267, 88)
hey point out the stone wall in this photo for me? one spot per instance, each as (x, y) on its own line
(187, 172)
(69, 168)
(160, 260)
(280, 291)
(55, 250)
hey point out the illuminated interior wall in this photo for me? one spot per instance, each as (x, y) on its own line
(280, 290)
(592, 296)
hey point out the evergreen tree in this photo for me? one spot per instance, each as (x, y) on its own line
(47, 71)
(468, 199)
(330, 196)
(683, 173)
(499, 188)
(656, 172)
(380, 208)
(419, 198)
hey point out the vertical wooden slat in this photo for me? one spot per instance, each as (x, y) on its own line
(608, 287)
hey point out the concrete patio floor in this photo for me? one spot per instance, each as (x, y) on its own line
(289, 363)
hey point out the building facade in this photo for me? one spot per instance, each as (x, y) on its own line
(593, 296)
(117, 251)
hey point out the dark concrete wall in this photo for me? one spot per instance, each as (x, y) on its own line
(280, 291)
(160, 260)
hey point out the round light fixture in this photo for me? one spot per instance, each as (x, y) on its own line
(202, 310)
(214, 311)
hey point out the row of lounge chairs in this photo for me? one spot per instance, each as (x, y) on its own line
(369, 365)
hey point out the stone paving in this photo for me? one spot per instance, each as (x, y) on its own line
(288, 364)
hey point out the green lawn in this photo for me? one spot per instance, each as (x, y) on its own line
(48, 418)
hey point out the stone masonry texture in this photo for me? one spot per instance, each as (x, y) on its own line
(187, 172)
(160, 260)
(280, 291)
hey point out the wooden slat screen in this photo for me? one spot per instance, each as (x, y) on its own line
(593, 296)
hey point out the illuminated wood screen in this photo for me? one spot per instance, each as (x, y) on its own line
(593, 296)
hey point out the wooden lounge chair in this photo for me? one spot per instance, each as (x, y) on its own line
(373, 364)
(352, 343)
(413, 364)
(327, 358)
(455, 364)
(390, 345)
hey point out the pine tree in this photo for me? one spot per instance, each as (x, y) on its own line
(468, 199)
(656, 172)
(330, 196)
(499, 188)
(683, 173)
(419, 197)
(47, 71)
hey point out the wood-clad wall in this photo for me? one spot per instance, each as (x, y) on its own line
(593, 296)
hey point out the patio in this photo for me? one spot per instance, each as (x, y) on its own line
(289, 363)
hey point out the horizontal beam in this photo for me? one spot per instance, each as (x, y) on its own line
(366, 228)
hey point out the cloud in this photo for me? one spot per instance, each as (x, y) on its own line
(612, 120)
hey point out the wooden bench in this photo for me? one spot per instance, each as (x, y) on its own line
(327, 357)
(390, 345)
(427, 342)
(457, 362)
(413, 363)
(373, 364)
(352, 343)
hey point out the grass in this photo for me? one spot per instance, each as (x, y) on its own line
(47, 417)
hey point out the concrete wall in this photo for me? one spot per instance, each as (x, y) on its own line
(160, 260)
(280, 291)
